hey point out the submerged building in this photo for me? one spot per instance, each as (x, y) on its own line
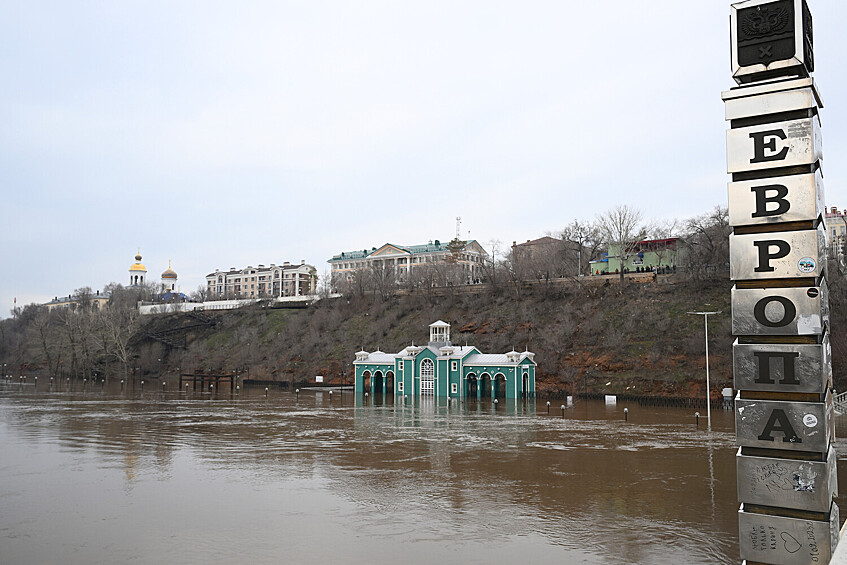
(445, 370)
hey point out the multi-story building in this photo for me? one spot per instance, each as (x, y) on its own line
(647, 255)
(836, 225)
(469, 257)
(262, 281)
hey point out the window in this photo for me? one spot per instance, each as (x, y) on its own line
(427, 377)
(400, 386)
(454, 365)
(400, 367)
(454, 388)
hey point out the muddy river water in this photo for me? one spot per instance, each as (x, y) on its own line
(105, 475)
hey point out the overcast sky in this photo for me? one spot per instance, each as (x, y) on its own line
(221, 134)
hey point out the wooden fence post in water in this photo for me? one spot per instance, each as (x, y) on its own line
(784, 420)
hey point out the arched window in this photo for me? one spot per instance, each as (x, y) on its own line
(427, 377)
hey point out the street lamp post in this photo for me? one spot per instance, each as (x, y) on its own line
(708, 395)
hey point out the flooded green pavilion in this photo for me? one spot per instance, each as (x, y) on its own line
(445, 370)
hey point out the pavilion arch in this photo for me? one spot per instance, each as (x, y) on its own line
(485, 385)
(366, 381)
(377, 384)
(471, 385)
(389, 382)
(499, 384)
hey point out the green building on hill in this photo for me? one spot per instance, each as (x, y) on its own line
(648, 256)
(444, 370)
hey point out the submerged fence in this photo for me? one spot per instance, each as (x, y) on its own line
(643, 400)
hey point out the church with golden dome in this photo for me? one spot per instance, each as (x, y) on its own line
(137, 271)
(169, 278)
(138, 275)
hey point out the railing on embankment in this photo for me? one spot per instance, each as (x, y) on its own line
(642, 400)
(840, 403)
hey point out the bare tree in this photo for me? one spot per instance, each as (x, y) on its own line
(383, 280)
(324, 286)
(586, 241)
(43, 331)
(492, 268)
(424, 278)
(707, 239)
(621, 229)
(119, 321)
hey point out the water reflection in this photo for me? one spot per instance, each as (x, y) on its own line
(232, 477)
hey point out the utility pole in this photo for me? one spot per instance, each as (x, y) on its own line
(708, 395)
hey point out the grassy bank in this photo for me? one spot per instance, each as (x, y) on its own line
(638, 339)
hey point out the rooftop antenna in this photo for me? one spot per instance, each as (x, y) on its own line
(458, 226)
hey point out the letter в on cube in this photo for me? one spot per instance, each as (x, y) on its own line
(793, 198)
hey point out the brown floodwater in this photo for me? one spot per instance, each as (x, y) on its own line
(105, 475)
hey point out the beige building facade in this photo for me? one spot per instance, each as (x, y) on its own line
(263, 282)
(836, 225)
(95, 301)
(468, 256)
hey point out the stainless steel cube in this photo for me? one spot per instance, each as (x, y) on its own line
(782, 367)
(786, 96)
(794, 198)
(777, 424)
(780, 144)
(788, 254)
(787, 483)
(787, 541)
(780, 311)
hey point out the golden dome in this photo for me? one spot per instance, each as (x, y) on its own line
(169, 273)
